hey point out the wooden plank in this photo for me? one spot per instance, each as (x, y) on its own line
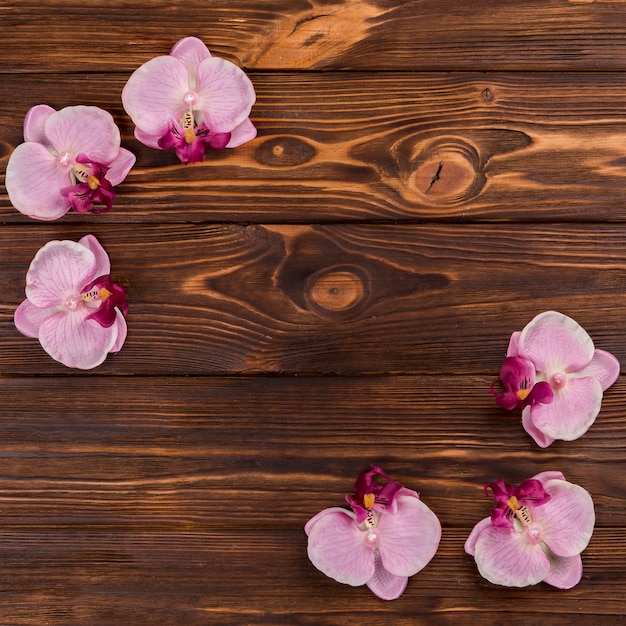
(320, 35)
(384, 147)
(103, 577)
(267, 453)
(215, 299)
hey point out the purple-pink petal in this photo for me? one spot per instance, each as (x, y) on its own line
(225, 94)
(384, 584)
(242, 133)
(35, 123)
(101, 258)
(505, 557)
(337, 547)
(72, 341)
(541, 439)
(556, 343)
(34, 181)
(572, 411)
(567, 521)
(120, 329)
(57, 271)
(604, 367)
(120, 166)
(28, 318)
(191, 51)
(155, 93)
(409, 538)
(565, 572)
(84, 129)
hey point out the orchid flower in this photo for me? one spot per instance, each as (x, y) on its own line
(190, 101)
(536, 533)
(71, 159)
(388, 536)
(71, 305)
(556, 376)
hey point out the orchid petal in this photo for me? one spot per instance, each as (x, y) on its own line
(102, 264)
(567, 520)
(121, 330)
(543, 477)
(385, 585)
(242, 133)
(541, 439)
(225, 94)
(191, 51)
(470, 543)
(28, 318)
(57, 272)
(409, 538)
(148, 139)
(565, 572)
(337, 547)
(34, 181)
(572, 411)
(154, 94)
(72, 341)
(513, 349)
(504, 557)
(120, 166)
(35, 123)
(604, 367)
(84, 129)
(556, 343)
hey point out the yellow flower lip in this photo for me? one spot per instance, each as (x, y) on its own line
(368, 500)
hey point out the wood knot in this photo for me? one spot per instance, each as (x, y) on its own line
(486, 95)
(337, 292)
(447, 171)
(284, 151)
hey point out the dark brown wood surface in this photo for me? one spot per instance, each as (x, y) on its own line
(310, 303)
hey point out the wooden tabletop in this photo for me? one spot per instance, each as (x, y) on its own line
(427, 176)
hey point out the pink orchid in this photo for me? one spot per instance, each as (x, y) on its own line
(71, 305)
(390, 536)
(535, 533)
(71, 159)
(190, 101)
(553, 350)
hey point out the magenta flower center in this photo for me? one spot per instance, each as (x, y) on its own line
(558, 380)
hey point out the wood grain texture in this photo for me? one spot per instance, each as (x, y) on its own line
(427, 176)
(385, 147)
(354, 298)
(319, 34)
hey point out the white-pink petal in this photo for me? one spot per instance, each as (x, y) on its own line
(556, 343)
(385, 585)
(565, 572)
(74, 341)
(28, 318)
(35, 123)
(242, 133)
(541, 439)
(191, 51)
(102, 264)
(337, 547)
(120, 166)
(513, 348)
(505, 557)
(120, 328)
(34, 181)
(84, 129)
(225, 94)
(567, 519)
(154, 94)
(572, 411)
(58, 271)
(409, 538)
(604, 366)
(470, 543)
